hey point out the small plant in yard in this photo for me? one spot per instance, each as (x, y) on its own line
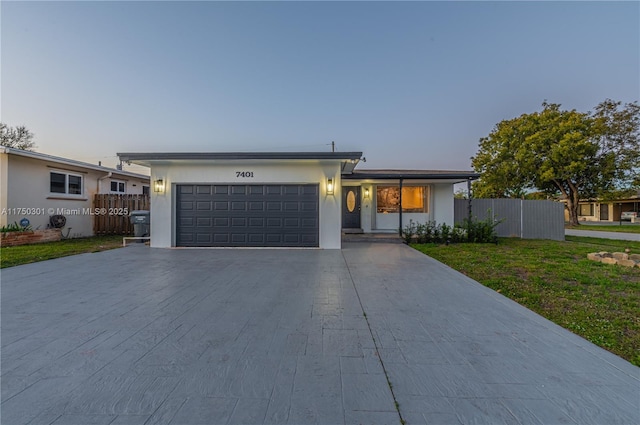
(15, 227)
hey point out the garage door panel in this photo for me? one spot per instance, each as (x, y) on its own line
(308, 223)
(256, 222)
(238, 222)
(240, 238)
(203, 221)
(203, 206)
(291, 206)
(186, 221)
(274, 222)
(221, 238)
(309, 190)
(308, 239)
(221, 221)
(273, 190)
(256, 238)
(247, 215)
(274, 206)
(221, 206)
(186, 205)
(203, 238)
(203, 190)
(292, 222)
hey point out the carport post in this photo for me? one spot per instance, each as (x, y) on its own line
(469, 210)
(400, 209)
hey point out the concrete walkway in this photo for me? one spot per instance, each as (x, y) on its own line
(605, 235)
(151, 336)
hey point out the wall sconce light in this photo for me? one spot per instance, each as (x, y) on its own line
(366, 193)
(329, 186)
(158, 186)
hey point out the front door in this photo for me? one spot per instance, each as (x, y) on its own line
(351, 207)
(604, 211)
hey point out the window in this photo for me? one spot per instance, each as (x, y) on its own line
(145, 190)
(414, 199)
(117, 186)
(586, 209)
(65, 183)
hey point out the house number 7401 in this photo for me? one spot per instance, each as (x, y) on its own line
(245, 174)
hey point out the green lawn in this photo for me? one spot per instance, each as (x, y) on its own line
(16, 255)
(624, 228)
(599, 302)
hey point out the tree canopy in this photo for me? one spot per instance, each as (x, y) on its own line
(16, 137)
(575, 154)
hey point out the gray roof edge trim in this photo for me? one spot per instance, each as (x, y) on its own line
(412, 176)
(167, 156)
(71, 162)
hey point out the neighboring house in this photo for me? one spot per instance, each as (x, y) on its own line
(286, 199)
(599, 210)
(37, 186)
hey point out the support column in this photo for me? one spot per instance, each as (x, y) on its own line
(400, 210)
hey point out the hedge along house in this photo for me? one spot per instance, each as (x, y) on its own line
(285, 199)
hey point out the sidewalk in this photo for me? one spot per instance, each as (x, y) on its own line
(605, 235)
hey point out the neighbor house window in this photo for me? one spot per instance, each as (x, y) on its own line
(586, 209)
(414, 199)
(145, 190)
(117, 186)
(65, 183)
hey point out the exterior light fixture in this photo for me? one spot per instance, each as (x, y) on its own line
(329, 186)
(158, 186)
(366, 193)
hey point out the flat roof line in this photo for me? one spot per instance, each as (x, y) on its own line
(151, 156)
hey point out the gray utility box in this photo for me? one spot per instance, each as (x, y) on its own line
(141, 220)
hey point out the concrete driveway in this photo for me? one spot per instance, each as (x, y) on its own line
(149, 336)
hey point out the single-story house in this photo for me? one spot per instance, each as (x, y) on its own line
(36, 186)
(605, 210)
(285, 199)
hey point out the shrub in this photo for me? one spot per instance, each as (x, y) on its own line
(15, 227)
(470, 231)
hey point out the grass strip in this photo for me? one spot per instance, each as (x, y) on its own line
(25, 254)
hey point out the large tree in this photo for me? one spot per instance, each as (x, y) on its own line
(16, 137)
(575, 154)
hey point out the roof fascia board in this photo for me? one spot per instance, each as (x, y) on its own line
(70, 162)
(236, 156)
(413, 176)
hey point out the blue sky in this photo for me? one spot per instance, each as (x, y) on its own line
(411, 84)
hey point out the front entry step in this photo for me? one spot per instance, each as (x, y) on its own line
(352, 231)
(372, 237)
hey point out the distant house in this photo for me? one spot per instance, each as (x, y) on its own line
(610, 210)
(36, 186)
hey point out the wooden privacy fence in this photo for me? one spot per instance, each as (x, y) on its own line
(111, 213)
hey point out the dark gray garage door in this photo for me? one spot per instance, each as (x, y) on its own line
(247, 215)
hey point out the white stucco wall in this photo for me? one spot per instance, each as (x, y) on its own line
(27, 183)
(442, 203)
(4, 173)
(163, 223)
